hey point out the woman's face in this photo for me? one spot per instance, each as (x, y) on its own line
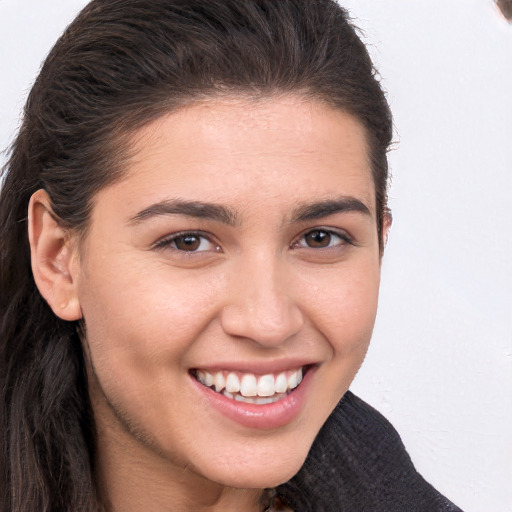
(240, 250)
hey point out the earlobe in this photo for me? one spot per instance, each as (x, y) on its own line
(54, 258)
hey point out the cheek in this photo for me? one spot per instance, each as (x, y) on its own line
(345, 310)
(345, 306)
(140, 328)
(142, 321)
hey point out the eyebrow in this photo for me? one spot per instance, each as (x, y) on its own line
(225, 215)
(328, 207)
(196, 209)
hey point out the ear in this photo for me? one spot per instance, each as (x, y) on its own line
(387, 221)
(54, 258)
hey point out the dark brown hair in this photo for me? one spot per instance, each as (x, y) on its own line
(119, 65)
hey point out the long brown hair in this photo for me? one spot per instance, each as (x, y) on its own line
(119, 65)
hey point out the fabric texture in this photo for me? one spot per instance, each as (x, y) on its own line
(358, 463)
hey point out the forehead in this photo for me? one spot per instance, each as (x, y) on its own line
(251, 150)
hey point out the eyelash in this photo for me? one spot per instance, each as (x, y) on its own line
(168, 242)
(172, 239)
(343, 237)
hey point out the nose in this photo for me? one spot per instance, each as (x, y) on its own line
(261, 305)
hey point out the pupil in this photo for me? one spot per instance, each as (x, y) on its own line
(187, 243)
(318, 239)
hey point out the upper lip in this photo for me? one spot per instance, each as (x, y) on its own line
(258, 367)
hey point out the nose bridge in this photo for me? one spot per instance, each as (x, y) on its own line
(261, 304)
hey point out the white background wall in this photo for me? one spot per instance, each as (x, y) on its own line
(440, 366)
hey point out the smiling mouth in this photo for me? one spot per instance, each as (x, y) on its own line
(251, 388)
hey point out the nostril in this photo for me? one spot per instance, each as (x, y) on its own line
(263, 325)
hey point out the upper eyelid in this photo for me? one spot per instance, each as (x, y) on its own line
(173, 236)
(342, 233)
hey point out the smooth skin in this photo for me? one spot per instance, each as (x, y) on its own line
(275, 269)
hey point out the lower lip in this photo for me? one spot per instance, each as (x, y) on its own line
(264, 416)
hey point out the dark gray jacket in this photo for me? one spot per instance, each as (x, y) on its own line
(358, 463)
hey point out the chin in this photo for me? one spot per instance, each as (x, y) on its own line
(267, 473)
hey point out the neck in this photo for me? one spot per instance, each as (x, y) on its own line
(134, 477)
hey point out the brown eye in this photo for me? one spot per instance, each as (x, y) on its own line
(323, 239)
(187, 242)
(318, 239)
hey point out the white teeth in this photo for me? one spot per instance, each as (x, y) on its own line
(249, 386)
(233, 383)
(265, 389)
(219, 382)
(258, 400)
(263, 401)
(281, 383)
(266, 385)
(208, 379)
(295, 378)
(292, 380)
